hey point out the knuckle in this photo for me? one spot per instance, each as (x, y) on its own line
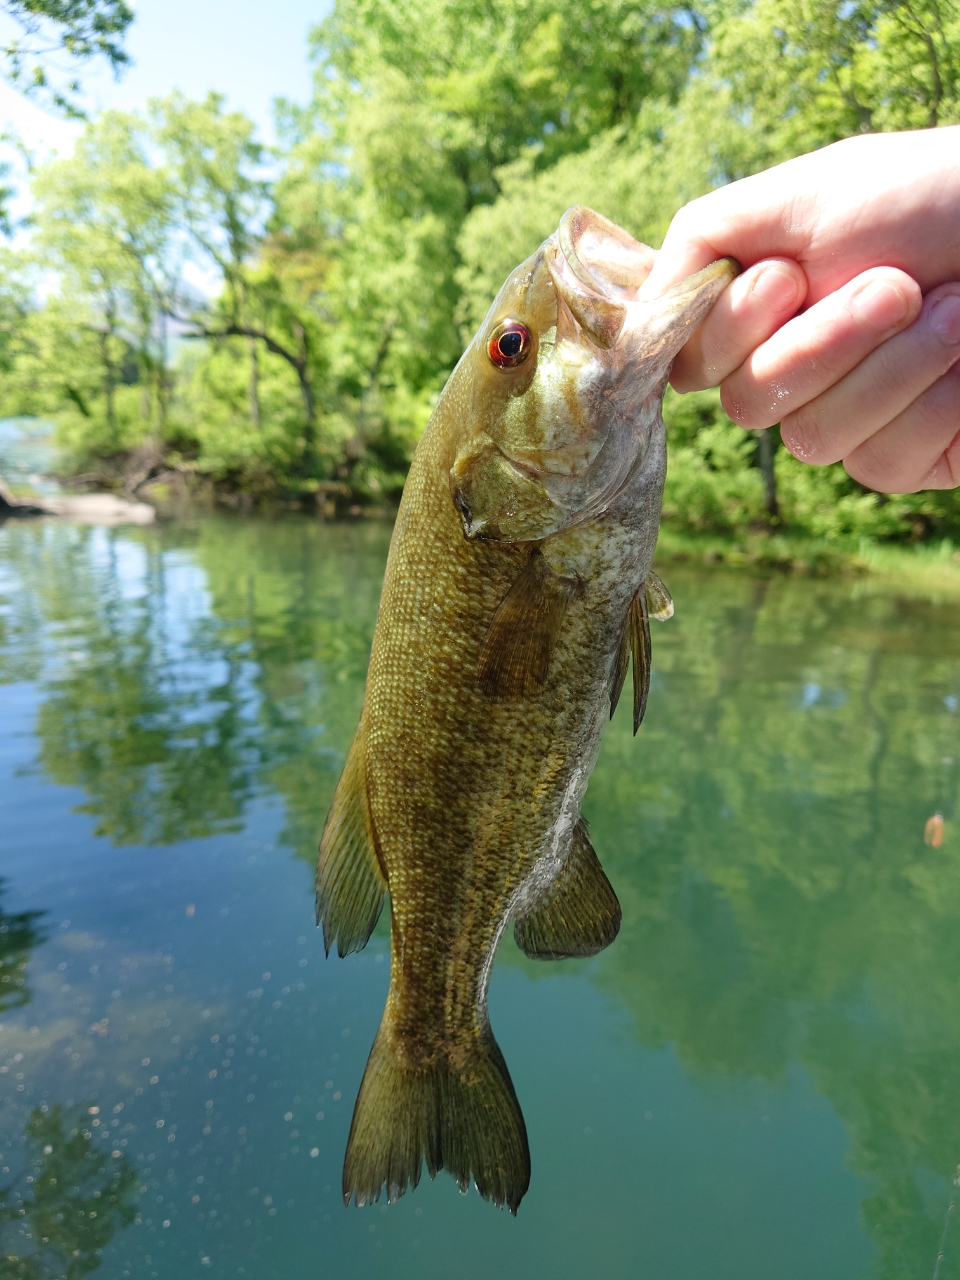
(801, 433)
(741, 409)
(873, 472)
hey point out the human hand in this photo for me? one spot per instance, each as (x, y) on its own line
(856, 233)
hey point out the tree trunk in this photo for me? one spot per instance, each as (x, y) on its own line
(766, 449)
(109, 386)
(253, 390)
(163, 382)
(309, 407)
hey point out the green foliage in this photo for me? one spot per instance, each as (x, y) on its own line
(347, 268)
(80, 29)
(714, 486)
(638, 175)
(808, 72)
(710, 484)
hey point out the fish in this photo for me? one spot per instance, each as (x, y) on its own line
(517, 589)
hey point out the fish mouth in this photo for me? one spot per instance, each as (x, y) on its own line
(668, 321)
(597, 269)
(720, 272)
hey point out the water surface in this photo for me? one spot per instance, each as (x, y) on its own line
(760, 1078)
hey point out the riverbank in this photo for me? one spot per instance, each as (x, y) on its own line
(935, 564)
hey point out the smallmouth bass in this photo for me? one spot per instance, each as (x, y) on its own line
(517, 587)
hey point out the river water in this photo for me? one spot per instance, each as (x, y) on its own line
(760, 1078)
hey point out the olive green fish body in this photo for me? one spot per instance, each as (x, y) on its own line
(514, 589)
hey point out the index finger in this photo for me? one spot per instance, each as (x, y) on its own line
(748, 220)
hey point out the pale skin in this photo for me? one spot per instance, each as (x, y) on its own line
(845, 324)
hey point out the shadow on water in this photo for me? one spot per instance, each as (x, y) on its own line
(68, 1203)
(764, 832)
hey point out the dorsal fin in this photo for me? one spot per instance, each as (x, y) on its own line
(578, 915)
(350, 880)
(516, 653)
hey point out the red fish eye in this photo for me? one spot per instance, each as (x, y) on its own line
(509, 344)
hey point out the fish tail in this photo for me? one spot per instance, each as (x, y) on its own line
(465, 1119)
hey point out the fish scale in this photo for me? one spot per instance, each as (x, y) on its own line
(509, 595)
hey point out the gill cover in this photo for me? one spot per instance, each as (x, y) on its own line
(554, 436)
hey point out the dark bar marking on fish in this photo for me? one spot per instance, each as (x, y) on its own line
(579, 915)
(465, 1119)
(350, 881)
(516, 653)
(659, 599)
(638, 625)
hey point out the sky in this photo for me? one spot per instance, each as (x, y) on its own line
(250, 52)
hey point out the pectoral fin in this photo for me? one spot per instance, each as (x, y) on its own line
(620, 666)
(350, 882)
(516, 653)
(636, 641)
(638, 626)
(579, 915)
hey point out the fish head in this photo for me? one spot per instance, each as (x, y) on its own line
(560, 391)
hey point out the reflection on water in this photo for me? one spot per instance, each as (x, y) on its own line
(57, 1219)
(19, 934)
(765, 1065)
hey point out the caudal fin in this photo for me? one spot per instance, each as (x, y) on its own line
(466, 1120)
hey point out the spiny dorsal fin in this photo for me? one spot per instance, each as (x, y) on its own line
(516, 653)
(579, 914)
(638, 625)
(350, 882)
(659, 599)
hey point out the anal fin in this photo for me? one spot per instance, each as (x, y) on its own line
(350, 882)
(516, 653)
(579, 915)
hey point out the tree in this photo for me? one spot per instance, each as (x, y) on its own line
(804, 73)
(224, 204)
(81, 29)
(102, 223)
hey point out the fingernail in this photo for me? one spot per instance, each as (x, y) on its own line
(880, 304)
(945, 318)
(779, 289)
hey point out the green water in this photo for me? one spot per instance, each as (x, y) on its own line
(761, 1078)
